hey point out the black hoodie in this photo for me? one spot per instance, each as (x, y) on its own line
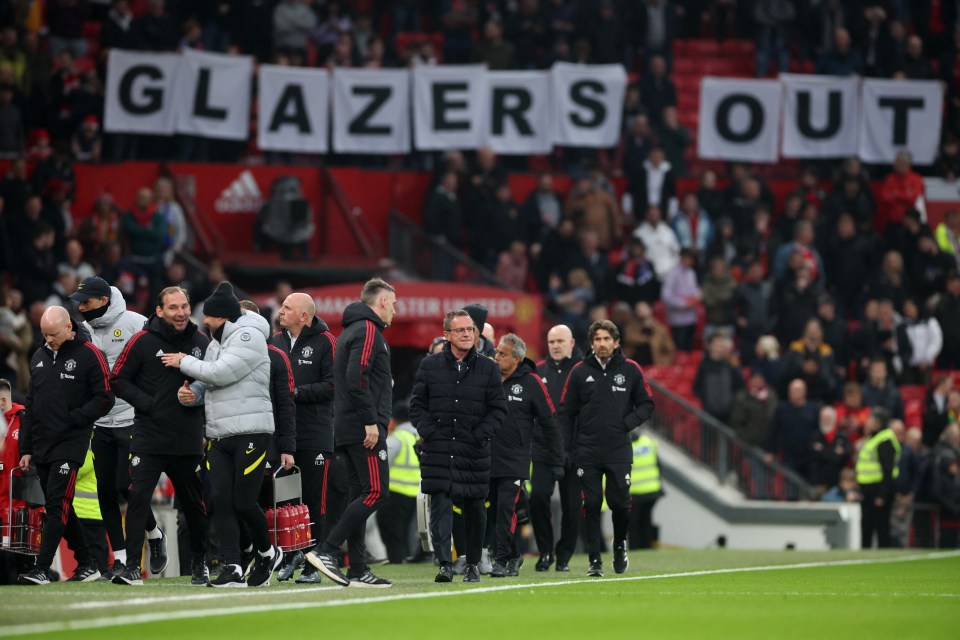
(527, 402)
(311, 360)
(554, 374)
(69, 391)
(161, 425)
(363, 389)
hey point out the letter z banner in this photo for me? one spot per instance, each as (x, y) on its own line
(371, 111)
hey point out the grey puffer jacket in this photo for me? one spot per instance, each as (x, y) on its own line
(110, 333)
(235, 377)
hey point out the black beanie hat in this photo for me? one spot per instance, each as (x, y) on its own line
(478, 313)
(222, 303)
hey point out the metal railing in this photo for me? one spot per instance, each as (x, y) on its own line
(366, 237)
(715, 445)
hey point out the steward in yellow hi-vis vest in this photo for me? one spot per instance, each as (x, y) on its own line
(877, 469)
(87, 505)
(400, 509)
(646, 488)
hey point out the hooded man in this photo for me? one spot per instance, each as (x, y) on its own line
(478, 313)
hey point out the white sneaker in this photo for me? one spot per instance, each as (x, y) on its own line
(486, 565)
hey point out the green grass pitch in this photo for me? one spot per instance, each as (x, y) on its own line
(664, 594)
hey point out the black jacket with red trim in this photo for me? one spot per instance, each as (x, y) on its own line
(600, 406)
(530, 412)
(161, 425)
(363, 387)
(284, 410)
(69, 391)
(311, 360)
(554, 374)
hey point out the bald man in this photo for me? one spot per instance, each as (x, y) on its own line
(563, 356)
(310, 346)
(69, 391)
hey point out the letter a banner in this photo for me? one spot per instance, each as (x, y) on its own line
(293, 110)
(898, 115)
(819, 116)
(140, 92)
(739, 119)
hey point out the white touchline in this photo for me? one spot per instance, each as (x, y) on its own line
(142, 618)
(216, 594)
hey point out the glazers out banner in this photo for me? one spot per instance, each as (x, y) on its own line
(820, 117)
(365, 110)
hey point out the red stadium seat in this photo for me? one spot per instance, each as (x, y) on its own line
(742, 48)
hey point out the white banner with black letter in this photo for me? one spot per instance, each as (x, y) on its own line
(819, 116)
(448, 107)
(518, 112)
(293, 110)
(140, 90)
(213, 95)
(739, 119)
(588, 104)
(898, 115)
(371, 111)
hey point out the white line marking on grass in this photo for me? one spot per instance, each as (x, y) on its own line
(143, 618)
(208, 595)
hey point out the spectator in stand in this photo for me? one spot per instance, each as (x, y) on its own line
(948, 315)
(753, 409)
(692, 226)
(527, 29)
(101, 227)
(767, 360)
(811, 359)
(682, 296)
(948, 162)
(442, 221)
(674, 138)
(634, 279)
(902, 190)
(843, 59)
(561, 18)
(657, 90)
(177, 232)
(947, 235)
(936, 412)
(572, 298)
(86, 142)
(457, 19)
(845, 490)
(752, 307)
(63, 287)
(945, 483)
(873, 37)
(774, 20)
(886, 337)
(74, 263)
(707, 194)
(761, 243)
(560, 252)
(12, 131)
(156, 30)
(803, 243)
(912, 468)
(915, 65)
(342, 55)
(718, 380)
(796, 302)
(879, 389)
(65, 20)
(117, 31)
(822, 23)
(793, 430)
(718, 289)
(542, 209)
(513, 266)
(809, 190)
(632, 105)
(926, 341)
(848, 258)
(493, 50)
(891, 281)
(146, 230)
(635, 145)
(834, 334)
(831, 450)
(742, 202)
(37, 266)
(657, 24)
(608, 34)
(724, 243)
(655, 184)
(660, 241)
(594, 209)
(647, 340)
(16, 334)
(595, 262)
(851, 412)
(850, 198)
(13, 58)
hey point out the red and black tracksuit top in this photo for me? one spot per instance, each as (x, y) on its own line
(362, 386)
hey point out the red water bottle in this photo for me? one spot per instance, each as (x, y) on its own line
(36, 518)
(271, 526)
(285, 535)
(306, 523)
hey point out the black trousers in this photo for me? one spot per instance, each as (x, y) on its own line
(368, 478)
(145, 470)
(640, 535)
(111, 464)
(59, 481)
(618, 499)
(314, 475)
(474, 512)
(394, 520)
(334, 501)
(874, 519)
(541, 514)
(236, 474)
(501, 530)
(96, 535)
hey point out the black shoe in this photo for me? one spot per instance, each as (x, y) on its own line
(543, 564)
(247, 560)
(513, 566)
(130, 576)
(229, 578)
(328, 566)
(563, 565)
(471, 574)
(34, 577)
(445, 574)
(309, 575)
(367, 580)
(158, 553)
(499, 570)
(596, 567)
(199, 574)
(263, 568)
(620, 559)
(291, 562)
(114, 570)
(85, 573)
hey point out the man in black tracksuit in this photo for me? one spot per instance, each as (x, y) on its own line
(363, 393)
(527, 403)
(69, 390)
(167, 436)
(605, 398)
(310, 347)
(564, 355)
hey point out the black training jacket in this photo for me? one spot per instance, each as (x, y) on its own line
(554, 374)
(68, 392)
(161, 425)
(311, 360)
(530, 412)
(284, 410)
(363, 386)
(600, 406)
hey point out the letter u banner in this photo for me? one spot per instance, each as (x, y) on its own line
(819, 116)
